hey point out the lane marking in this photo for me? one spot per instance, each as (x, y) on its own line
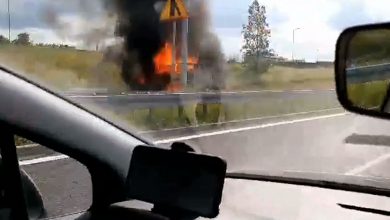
(27, 146)
(165, 141)
(87, 96)
(368, 165)
(242, 120)
(42, 160)
(227, 131)
(304, 90)
(198, 93)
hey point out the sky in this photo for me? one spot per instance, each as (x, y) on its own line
(319, 22)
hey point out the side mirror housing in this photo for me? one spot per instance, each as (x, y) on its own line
(362, 69)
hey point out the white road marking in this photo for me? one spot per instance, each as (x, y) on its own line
(198, 93)
(87, 96)
(227, 131)
(27, 146)
(61, 157)
(42, 160)
(243, 120)
(304, 90)
(368, 165)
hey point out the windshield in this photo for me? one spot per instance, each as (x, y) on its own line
(249, 81)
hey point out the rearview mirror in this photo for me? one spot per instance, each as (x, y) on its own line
(362, 69)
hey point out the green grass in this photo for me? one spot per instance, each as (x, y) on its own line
(367, 95)
(278, 77)
(61, 68)
(21, 141)
(161, 118)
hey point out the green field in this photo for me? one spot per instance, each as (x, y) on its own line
(62, 68)
(367, 95)
(279, 77)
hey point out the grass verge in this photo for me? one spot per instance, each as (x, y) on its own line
(279, 77)
(163, 118)
(62, 68)
(368, 95)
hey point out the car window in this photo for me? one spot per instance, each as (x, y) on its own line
(249, 81)
(64, 183)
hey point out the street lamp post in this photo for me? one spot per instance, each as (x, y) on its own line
(9, 23)
(292, 54)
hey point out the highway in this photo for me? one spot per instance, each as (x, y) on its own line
(327, 141)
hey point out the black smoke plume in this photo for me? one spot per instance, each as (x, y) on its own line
(138, 23)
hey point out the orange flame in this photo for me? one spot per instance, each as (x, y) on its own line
(163, 65)
(163, 61)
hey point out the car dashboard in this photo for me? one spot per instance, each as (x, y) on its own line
(261, 200)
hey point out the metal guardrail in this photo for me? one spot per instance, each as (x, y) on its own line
(368, 73)
(154, 100)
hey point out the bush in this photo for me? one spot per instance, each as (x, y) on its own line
(257, 65)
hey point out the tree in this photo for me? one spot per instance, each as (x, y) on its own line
(23, 39)
(256, 38)
(3, 40)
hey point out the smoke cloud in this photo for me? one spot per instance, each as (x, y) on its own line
(137, 23)
(83, 21)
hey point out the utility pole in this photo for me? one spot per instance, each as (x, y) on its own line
(292, 54)
(184, 49)
(9, 23)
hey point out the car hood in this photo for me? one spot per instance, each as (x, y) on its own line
(252, 199)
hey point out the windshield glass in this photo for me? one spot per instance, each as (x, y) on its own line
(250, 81)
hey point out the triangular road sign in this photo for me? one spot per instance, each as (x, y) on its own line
(174, 10)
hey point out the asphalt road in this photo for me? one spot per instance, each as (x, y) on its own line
(313, 142)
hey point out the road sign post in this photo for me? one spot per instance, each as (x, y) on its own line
(184, 51)
(175, 10)
(173, 68)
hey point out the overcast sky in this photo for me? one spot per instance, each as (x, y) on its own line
(320, 22)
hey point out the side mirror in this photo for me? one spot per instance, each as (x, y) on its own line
(362, 69)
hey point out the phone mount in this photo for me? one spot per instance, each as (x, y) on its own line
(181, 184)
(173, 212)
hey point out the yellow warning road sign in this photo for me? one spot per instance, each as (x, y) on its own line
(174, 10)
